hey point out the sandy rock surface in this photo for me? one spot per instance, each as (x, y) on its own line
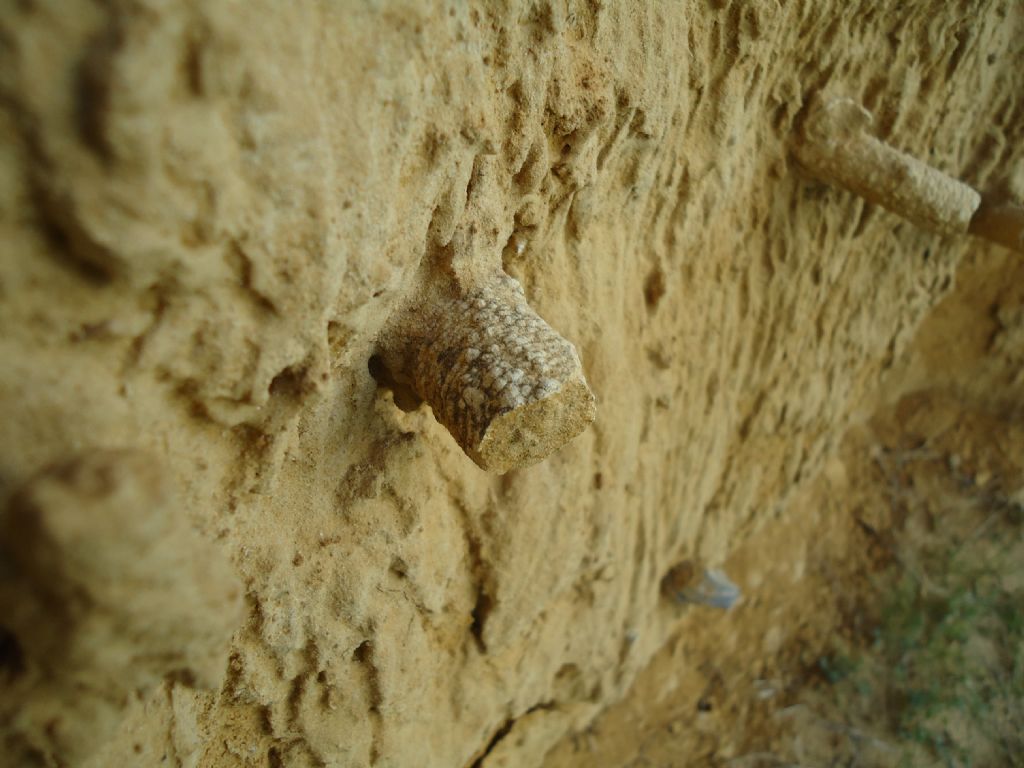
(745, 688)
(212, 213)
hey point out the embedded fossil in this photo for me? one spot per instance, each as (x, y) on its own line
(505, 384)
(711, 587)
(837, 147)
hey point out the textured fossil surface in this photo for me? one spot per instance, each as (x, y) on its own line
(508, 387)
(213, 221)
(839, 147)
(505, 384)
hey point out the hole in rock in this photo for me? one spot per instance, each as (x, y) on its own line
(291, 383)
(481, 611)
(654, 288)
(12, 658)
(404, 396)
(363, 652)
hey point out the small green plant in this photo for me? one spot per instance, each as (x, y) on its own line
(940, 676)
(947, 659)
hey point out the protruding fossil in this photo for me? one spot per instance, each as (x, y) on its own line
(506, 385)
(837, 147)
(687, 583)
(1000, 222)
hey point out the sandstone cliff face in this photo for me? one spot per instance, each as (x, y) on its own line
(212, 211)
(752, 687)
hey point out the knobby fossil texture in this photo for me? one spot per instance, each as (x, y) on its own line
(213, 221)
(506, 385)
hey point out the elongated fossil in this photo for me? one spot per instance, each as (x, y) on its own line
(837, 147)
(1001, 222)
(505, 384)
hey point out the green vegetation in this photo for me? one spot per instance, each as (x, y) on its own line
(956, 665)
(942, 675)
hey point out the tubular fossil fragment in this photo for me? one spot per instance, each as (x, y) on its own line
(506, 385)
(837, 147)
(1001, 223)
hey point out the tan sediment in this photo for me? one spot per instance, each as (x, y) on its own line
(116, 592)
(215, 222)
